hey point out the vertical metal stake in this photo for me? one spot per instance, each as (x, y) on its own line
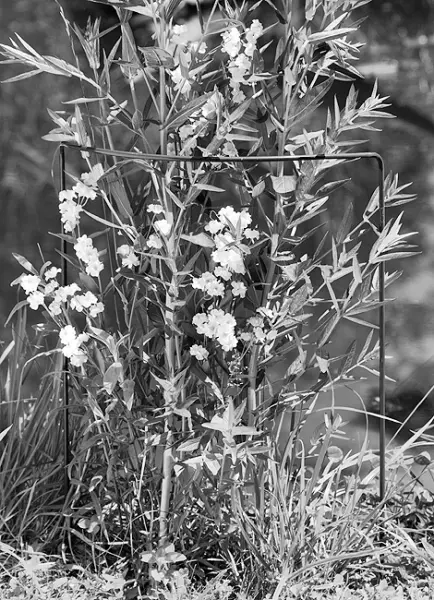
(382, 336)
(65, 369)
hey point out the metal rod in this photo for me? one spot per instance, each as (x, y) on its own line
(342, 156)
(65, 368)
(223, 159)
(382, 335)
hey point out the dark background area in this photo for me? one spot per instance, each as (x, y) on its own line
(398, 51)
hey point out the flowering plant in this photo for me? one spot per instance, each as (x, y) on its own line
(199, 313)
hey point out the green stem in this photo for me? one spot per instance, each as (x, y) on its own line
(170, 347)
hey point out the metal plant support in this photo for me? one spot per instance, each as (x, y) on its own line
(343, 156)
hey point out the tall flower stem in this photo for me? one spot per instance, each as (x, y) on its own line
(170, 347)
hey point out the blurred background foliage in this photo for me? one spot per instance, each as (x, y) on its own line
(399, 40)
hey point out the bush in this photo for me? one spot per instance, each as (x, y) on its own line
(193, 285)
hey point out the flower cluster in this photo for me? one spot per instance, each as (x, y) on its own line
(229, 231)
(219, 325)
(231, 234)
(71, 201)
(241, 53)
(128, 256)
(44, 289)
(183, 75)
(199, 352)
(88, 254)
(87, 302)
(260, 333)
(197, 126)
(71, 345)
(30, 284)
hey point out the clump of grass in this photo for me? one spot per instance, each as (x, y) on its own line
(31, 464)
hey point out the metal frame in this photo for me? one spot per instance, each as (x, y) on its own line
(343, 156)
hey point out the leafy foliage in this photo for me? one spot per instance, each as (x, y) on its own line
(191, 284)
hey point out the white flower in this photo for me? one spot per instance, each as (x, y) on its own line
(238, 96)
(91, 179)
(251, 234)
(78, 359)
(209, 284)
(246, 336)
(89, 255)
(239, 67)
(163, 227)
(129, 258)
(200, 321)
(230, 258)
(199, 47)
(76, 304)
(51, 287)
(30, 283)
(231, 42)
(154, 242)
(88, 299)
(271, 335)
(256, 321)
(94, 268)
(55, 308)
(229, 149)
(82, 301)
(63, 293)
(259, 334)
(35, 300)
(254, 31)
(67, 334)
(219, 325)
(83, 247)
(70, 214)
(199, 352)
(51, 273)
(96, 309)
(155, 208)
(240, 64)
(71, 289)
(215, 288)
(200, 283)
(252, 34)
(238, 289)
(228, 342)
(181, 83)
(210, 107)
(71, 345)
(124, 250)
(186, 131)
(66, 195)
(179, 29)
(84, 191)
(130, 261)
(223, 273)
(228, 215)
(214, 226)
(171, 148)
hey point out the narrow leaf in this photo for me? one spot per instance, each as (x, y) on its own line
(284, 184)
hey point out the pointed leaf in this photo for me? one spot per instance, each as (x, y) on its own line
(112, 376)
(200, 239)
(284, 184)
(4, 433)
(157, 57)
(25, 263)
